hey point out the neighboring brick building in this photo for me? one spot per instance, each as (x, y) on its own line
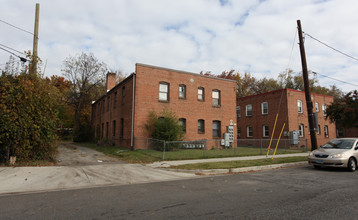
(204, 105)
(256, 115)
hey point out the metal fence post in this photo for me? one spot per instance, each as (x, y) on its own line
(260, 146)
(164, 151)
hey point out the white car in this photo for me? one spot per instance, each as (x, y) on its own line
(340, 152)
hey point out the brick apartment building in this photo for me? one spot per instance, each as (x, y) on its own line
(256, 115)
(204, 105)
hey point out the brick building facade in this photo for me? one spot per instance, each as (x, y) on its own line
(204, 105)
(256, 115)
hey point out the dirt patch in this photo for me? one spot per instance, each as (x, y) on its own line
(72, 155)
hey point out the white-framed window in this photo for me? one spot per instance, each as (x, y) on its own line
(299, 106)
(201, 94)
(300, 129)
(326, 134)
(264, 108)
(324, 107)
(249, 131)
(163, 91)
(217, 129)
(238, 111)
(265, 130)
(249, 110)
(216, 98)
(317, 107)
(182, 91)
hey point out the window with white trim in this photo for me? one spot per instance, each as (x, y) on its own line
(182, 91)
(300, 129)
(217, 129)
(238, 111)
(317, 107)
(265, 130)
(299, 106)
(182, 123)
(326, 134)
(264, 108)
(249, 131)
(201, 126)
(249, 110)
(201, 94)
(216, 98)
(164, 91)
(324, 107)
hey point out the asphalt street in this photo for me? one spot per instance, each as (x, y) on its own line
(289, 193)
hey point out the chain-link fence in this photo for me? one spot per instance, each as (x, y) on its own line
(176, 150)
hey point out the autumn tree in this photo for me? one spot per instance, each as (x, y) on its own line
(86, 74)
(344, 110)
(28, 117)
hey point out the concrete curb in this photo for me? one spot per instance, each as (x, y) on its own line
(240, 170)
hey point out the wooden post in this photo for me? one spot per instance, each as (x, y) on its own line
(33, 69)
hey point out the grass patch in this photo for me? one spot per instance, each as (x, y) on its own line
(150, 156)
(238, 164)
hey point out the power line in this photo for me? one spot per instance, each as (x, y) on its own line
(335, 79)
(21, 58)
(16, 27)
(12, 49)
(345, 54)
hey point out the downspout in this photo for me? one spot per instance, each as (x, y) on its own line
(133, 104)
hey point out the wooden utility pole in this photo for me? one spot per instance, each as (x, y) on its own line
(33, 69)
(307, 89)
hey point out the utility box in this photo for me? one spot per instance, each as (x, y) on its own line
(230, 131)
(295, 137)
(227, 142)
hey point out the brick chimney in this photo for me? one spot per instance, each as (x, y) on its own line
(111, 81)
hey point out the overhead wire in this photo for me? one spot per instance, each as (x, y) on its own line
(12, 49)
(335, 79)
(345, 54)
(17, 27)
(21, 58)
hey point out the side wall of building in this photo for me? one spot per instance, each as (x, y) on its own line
(112, 114)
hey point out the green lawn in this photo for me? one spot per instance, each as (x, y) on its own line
(238, 164)
(149, 156)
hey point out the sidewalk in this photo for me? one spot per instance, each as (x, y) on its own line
(42, 179)
(166, 164)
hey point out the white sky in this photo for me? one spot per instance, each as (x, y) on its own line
(255, 36)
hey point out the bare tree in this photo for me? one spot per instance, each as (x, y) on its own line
(86, 74)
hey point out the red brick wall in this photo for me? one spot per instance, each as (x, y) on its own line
(147, 92)
(288, 113)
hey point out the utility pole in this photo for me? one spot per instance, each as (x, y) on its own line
(33, 69)
(307, 89)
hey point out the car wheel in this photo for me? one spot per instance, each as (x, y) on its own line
(352, 165)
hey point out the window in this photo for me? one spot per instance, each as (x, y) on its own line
(201, 94)
(324, 107)
(317, 107)
(238, 132)
(201, 126)
(238, 111)
(102, 130)
(300, 129)
(216, 129)
(182, 91)
(123, 94)
(122, 128)
(249, 131)
(248, 110)
(164, 91)
(319, 129)
(326, 131)
(265, 130)
(264, 108)
(115, 100)
(114, 128)
(299, 106)
(107, 127)
(182, 123)
(216, 98)
(108, 101)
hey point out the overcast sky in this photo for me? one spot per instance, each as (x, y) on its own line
(255, 36)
